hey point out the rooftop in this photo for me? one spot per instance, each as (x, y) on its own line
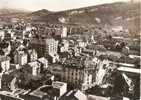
(131, 70)
(38, 93)
(93, 97)
(58, 84)
(10, 95)
(74, 63)
(42, 60)
(74, 95)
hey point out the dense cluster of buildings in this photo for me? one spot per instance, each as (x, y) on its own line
(53, 62)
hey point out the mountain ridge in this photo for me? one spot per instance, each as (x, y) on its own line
(114, 14)
(111, 14)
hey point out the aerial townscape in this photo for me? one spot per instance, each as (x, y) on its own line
(90, 53)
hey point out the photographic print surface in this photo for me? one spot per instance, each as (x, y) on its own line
(70, 49)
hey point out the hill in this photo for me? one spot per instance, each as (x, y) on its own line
(115, 14)
(38, 13)
(124, 14)
(8, 11)
(106, 13)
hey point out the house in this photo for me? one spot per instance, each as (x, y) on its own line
(36, 68)
(77, 74)
(39, 45)
(51, 46)
(4, 63)
(64, 46)
(5, 80)
(20, 58)
(81, 43)
(2, 34)
(44, 62)
(52, 49)
(60, 88)
(64, 32)
(32, 55)
(126, 50)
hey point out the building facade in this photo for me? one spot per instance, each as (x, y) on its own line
(79, 76)
(4, 63)
(64, 32)
(20, 58)
(51, 46)
(32, 55)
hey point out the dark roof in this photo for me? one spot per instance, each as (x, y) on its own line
(7, 78)
(4, 58)
(43, 91)
(4, 44)
(74, 63)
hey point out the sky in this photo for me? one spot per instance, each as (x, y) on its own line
(52, 5)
